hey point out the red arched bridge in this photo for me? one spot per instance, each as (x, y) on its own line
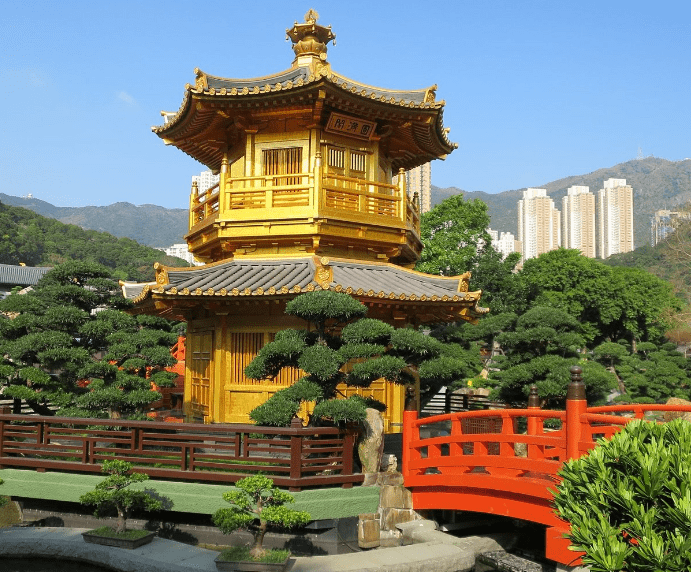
(505, 461)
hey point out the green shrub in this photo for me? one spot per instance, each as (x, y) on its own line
(275, 412)
(342, 410)
(255, 505)
(112, 493)
(629, 500)
(323, 305)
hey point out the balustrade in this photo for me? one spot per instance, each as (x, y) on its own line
(290, 191)
(295, 457)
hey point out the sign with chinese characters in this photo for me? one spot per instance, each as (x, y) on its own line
(350, 126)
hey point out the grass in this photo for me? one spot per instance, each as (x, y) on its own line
(109, 532)
(242, 554)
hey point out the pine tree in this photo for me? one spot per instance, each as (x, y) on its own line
(342, 346)
(68, 344)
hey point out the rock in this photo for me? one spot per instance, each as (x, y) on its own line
(669, 415)
(368, 530)
(370, 445)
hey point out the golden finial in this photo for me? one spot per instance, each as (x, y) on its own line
(309, 38)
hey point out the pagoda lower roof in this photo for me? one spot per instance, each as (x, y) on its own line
(288, 277)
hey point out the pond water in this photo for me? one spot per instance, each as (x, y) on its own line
(49, 565)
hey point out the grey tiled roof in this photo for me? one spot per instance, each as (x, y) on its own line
(11, 275)
(247, 277)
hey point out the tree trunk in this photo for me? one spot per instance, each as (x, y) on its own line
(121, 525)
(257, 550)
(40, 408)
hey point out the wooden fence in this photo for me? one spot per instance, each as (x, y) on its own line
(294, 457)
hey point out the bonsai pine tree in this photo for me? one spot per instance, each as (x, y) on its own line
(71, 328)
(340, 346)
(629, 500)
(256, 505)
(112, 493)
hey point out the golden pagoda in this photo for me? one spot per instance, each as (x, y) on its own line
(311, 196)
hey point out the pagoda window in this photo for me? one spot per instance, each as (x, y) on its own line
(282, 162)
(346, 162)
(336, 158)
(358, 161)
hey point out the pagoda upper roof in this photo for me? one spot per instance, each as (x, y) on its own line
(384, 282)
(213, 101)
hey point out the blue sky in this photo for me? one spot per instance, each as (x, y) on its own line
(534, 90)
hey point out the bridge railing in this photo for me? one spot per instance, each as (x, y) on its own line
(506, 461)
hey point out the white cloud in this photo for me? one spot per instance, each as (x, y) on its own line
(126, 97)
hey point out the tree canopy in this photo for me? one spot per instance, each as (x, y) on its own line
(34, 240)
(68, 344)
(342, 346)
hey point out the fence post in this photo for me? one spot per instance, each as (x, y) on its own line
(534, 423)
(410, 433)
(2, 438)
(576, 406)
(295, 455)
(533, 403)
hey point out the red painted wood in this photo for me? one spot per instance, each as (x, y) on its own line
(470, 460)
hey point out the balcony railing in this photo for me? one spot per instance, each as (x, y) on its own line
(295, 194)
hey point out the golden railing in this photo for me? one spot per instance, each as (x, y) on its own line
(298, 190)
(203, 204)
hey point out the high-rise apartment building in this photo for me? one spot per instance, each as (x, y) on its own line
(615, 218)
(205, 180)
(539, 225)
(664, 223)
(419, 180)
(578, 220)
(504, 242)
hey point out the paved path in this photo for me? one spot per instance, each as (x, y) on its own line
(442, 553)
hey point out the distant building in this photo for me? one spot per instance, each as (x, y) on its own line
(578, 220)
(615, 218)
(539, 225)
(419, 180)
(664, 223)
(12, 276)
(205, 180)
(181, 251)
(504, 242)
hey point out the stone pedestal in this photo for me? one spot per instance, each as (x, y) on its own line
(368, 530)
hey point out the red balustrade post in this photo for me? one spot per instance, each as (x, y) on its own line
(533, 403)
(534, 423)
(410, 432)
(576, 406)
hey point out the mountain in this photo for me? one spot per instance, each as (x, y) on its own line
(657, 184)
(147, 224)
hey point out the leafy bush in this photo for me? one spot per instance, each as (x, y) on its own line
(112, 493)
(278, 411)
(324, 305)
(629, 500)
(255, 505)
(342, 410)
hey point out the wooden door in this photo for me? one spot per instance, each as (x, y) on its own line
(200, 366)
